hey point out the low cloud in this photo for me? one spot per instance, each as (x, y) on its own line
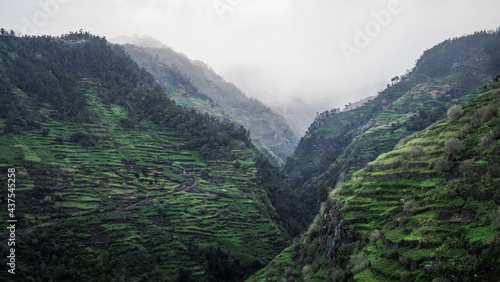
(279, 50)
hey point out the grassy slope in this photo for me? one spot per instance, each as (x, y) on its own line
(419, 204)
(137, 205)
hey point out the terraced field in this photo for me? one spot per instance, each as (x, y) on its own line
(339, 143)
(100, 191)
(427, 210)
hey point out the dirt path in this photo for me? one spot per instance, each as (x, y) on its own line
(189, 187)
(148, 199)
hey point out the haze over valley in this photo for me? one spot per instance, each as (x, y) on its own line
(242, 140)
(280, 51)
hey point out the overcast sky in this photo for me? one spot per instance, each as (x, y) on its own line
(326, 52)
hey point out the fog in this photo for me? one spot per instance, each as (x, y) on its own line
(327, 53)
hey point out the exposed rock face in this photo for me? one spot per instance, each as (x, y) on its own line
(334, 234)
(337, 235)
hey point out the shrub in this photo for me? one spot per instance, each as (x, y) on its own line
(452, 148)
(455, 242)
(488, 140)
(404, 261)
(444, 164)
(322, 193)
(475, 119)
(333, 196)
(443, 192)
(405, 276)
(348, 249)
(288, 271)
(58, 196)
(487, 112)
(59, 139)
(467, 129)
(83, 139)
(203, 210)
(315, 227)
(375, 235)
(242, 146)
(338, 274)
(410, 206)
(455, 112)
(45, 131)
(463, 265)
(466, 167)
(358, 264)
(491, 217)
(307, 272)
(416, 151)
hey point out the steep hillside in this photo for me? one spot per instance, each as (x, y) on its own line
(339, 143)
(210, 93)
(115, 182)
(429, 209)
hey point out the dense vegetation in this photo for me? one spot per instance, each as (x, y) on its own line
(199, 87)
(428, 210)
(116, 182)
(339, 143)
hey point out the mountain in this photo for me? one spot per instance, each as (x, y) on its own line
(352, 106)
(270, 131)
(111, 180)
(144, 41)
(339, 143)
(297, 113)
(428, 210)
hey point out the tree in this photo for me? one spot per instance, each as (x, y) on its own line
(452, 148)
(395, 80)
(322, 193)
(455, 112)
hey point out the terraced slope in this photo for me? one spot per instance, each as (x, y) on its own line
(339, 143)
(211, 94)
(115, 182)
(429, 209)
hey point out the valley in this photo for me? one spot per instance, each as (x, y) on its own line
(425, 210)
(137, 163)
(127, 193)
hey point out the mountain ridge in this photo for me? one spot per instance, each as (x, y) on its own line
(270, 131)
(425, 211)
(115, 181)
(339, 143)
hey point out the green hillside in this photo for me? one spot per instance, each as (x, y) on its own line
(339, 143)
(116, 182)
(428, 210)
(208, 92)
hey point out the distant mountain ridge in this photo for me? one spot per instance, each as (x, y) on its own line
(270, 131)
(297, 113)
